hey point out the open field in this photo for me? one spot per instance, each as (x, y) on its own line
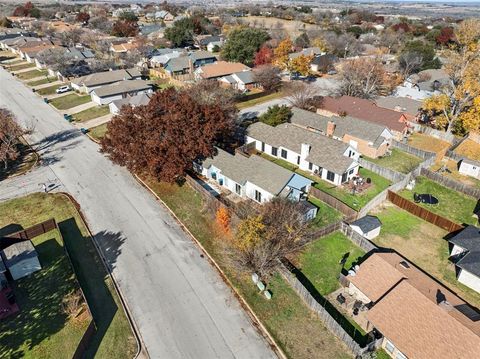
(398, 161)
(69, 101)
(31, 74)
(293, 27)
(452, 205)
(429, 143)
(91, 113)
(286, 317)
(114, 338)
(423, 244)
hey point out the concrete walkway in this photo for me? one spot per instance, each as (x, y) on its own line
(79, 108)
(34, 79)
(24, 70)
(55, 95)
(53, 83)
(95, 121)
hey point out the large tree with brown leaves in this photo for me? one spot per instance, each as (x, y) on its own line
(163, 138)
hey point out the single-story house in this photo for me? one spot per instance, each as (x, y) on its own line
(254, 177)
(90, 82)
(465, 253)
(162, 56)
(468, 167)
(244, 80)
(331, 160)
(30, 53)
(188, 64)
(21, 259)
(124, 47)
(370, 139)
(10, 43)
(368, 226)
(309, 51)
(163, 15)
(367, 110)
(106, 94)
(214, 45)
(137, 100)
(423, 85)
(202, 41)
(405, 105)
(416, 315)
(219, 69)
(323, 63)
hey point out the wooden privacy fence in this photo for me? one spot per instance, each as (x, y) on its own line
(334, 202)
(27, 234)
(423, 213)
(412, 150)
(451, 183)
(356, 238)
(387, 173)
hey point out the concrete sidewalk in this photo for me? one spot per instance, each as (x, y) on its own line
(53, 83)
(95, 121)
(79, 108)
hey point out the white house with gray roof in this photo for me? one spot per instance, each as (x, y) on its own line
(255, 178)
(93, 81)
(331, 160)
(119, 90)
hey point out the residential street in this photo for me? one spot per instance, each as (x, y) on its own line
(179, 303)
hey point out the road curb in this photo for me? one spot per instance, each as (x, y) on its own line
(257, 323)
(140, 345)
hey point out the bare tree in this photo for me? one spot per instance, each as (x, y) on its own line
(268, 77)
(410, 63)
(301, 95)
(55, 59)
(363, 77)
(10, 133)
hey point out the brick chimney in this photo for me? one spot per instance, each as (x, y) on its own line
(330, 128)
(190, 66)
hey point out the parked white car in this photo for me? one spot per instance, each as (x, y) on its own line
(63, 89)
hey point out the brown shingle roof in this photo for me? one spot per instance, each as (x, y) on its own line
(365, 110)
(221, 68)
(421, 317)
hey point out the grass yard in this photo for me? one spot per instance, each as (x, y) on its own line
(43, 81)
(452, 205)
(91, 113)
(423, 244)
(325, 214)
(42, 334)
(31, 74)
(289, 321)
(69, 101)
(319, 261)
(398, 161)
(258, 100)
(19, 66)
(469, 149)
(429, 143)
(48, 90)
(289, 166)
(454, 174)
(358, 200)
(26, 160)
(98, 132)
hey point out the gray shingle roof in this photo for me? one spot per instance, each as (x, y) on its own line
(246, 77)
(178, 64)
(367, 223)
(469, 239)
(254, 169)
(325, 152)
(18, 252)
(407, 105)
(122, 87)
(136, 100)
(105, 77)
(200, 55)
(368, 131)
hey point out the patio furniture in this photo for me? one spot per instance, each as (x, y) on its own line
(341, 299)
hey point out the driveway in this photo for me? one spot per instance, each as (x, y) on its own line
(179, 303)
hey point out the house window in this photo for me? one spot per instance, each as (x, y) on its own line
(263, 146)
(344, 177)
(350, 153)
(258, 196)
(310, 166)
(238, 188)
(298, 160)
(274, 151)
(389, 347)
(330, 176)
(284, 154)
(351, 172)
(400, 356)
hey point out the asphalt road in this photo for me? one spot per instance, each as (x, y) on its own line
(179, 303)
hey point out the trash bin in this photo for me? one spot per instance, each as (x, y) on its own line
(45, 100)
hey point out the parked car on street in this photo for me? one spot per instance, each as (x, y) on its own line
(63, 89)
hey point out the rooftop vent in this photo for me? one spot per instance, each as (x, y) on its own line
(404, 264)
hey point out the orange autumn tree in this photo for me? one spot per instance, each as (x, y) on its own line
(280, 53)
(223, 219)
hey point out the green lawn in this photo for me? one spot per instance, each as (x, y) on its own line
(98, 132)
(398, 161)
(325, 214)
(48, 90)
(289, 166)
(69, 101)
(452, 205)
(358, 200)
(259, 100)
(319, 261)
(286, 317)
(43, 81)
(47, 337)
(422, 243)
(91, 113)
(31, 74)
(18, 67)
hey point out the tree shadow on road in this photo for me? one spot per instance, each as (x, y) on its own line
(47, 146)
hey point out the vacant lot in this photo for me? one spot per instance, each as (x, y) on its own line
(469, 149)
(31, 74)
(46, 336)
(289, 321)
(91, 113)
(398, 161)
(69, 101)
(293, 27)
(452, 205)
(429, 143)
(423, 244)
